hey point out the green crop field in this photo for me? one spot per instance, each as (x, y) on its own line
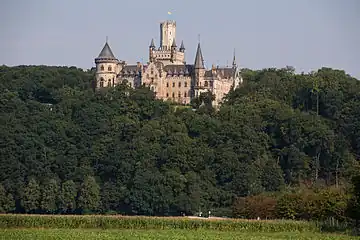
(77, 234)
(120, 227)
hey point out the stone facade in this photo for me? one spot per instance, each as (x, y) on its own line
(167, 73)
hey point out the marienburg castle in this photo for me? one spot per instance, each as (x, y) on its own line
(167, 73)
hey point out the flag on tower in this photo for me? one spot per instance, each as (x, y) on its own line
(169, 13)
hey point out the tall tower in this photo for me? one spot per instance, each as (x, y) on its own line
(199, 70)
(167, 34)
(106, 67)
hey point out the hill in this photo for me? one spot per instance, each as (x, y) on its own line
(65, 148)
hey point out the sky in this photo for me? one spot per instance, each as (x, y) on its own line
(305, 34)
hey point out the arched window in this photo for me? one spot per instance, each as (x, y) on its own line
(185, 84)
(109, 83)
(185, 95)
(179, 84)
(101, 82)
(179, 94)
(152, 88)
(167, 94)
(173, 94)
(102, 68)
(109, 68)
(173, 84)
(167, 84)
(206, 84)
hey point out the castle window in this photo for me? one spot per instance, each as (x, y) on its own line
(167, 94)
(167, 84)
(102, 68)
(173, 84)
(185, 94)
(109, 68)
(155, 75)
(173, 94)
(179, 84)
(185, 83)
(152, 80)
(179, 94)
(101, 82)
(109, 83)
(152, 88)
(152, 70)
(206, 84)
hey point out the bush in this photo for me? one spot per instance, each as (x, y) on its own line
(255, 206)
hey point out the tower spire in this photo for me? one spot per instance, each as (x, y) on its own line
(199, 61)
(107, 38)
(234, 59)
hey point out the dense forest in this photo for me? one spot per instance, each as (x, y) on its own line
(65, 148)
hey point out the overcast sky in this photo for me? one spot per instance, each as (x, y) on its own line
(305, 34)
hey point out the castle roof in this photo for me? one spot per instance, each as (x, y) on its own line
(225, 72)
(182, 47)
(106, 52)
(199, 61)
(179, 69)
(152, 44)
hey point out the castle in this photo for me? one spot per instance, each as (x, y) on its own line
(167, 73)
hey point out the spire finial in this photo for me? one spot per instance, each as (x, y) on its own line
(234, 59)
(107, 38)
(199, 38)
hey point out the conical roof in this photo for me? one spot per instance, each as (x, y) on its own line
(199, 61)
(106, 52)
(182, 45)
(152, 44)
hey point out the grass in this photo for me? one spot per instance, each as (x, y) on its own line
(176, 234)
(122, 227)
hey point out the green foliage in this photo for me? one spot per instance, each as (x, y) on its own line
(279, 130)
(89, 195)
(67, 197)
(31, 196)
(49, 196)
(7, 202)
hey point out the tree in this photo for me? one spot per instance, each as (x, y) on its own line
(7, 202)
(89, 195)
(67, 197)
(49, 196)
(31, 196)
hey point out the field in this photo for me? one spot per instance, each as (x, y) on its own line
(120, 227)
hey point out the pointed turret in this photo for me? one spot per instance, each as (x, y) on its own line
(106, 52)
(234, 60)
(152, 44)
(182, 47)
(199, 61)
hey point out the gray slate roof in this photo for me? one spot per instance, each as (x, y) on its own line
(106, 52)
(225, 72)
(199, 61)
